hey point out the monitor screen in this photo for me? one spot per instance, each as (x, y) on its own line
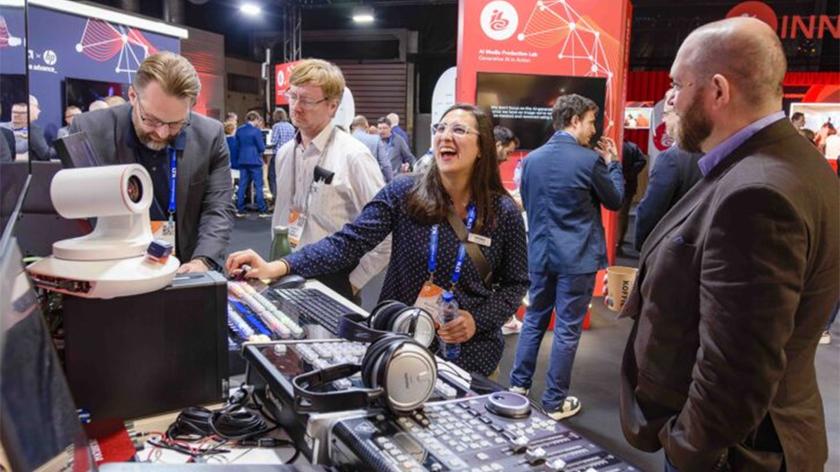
(38, 212)
(39, 425)
(523, 102)
(75, 150)
(12, 90)
(13, 181)
(82, 93)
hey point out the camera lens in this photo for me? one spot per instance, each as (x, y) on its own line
(135, 189)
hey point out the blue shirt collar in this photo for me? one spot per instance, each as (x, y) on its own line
(730, 144)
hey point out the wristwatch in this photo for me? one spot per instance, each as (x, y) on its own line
(210, 263)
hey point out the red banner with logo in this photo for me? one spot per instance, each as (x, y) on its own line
(561, 38)
(572, 38)
(282, 72)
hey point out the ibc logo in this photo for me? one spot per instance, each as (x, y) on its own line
(499, 20)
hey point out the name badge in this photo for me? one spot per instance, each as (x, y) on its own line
(428, 299)
(479, 239)
(297, 221)
(165, 231)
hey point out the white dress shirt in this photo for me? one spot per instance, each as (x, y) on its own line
(356, 180)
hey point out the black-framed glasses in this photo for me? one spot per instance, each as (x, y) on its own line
(457, 129)
(304, 102)
(154, 123)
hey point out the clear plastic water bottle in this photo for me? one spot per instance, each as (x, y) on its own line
(449, 312)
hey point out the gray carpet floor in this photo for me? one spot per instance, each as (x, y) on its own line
(596, 369)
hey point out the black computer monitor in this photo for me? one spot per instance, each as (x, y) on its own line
(39, 425)
(75, 150)
(83, 92)
(523, 102)
(14, 182)
(39, 224)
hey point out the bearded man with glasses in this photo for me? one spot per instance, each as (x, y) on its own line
(158, 130)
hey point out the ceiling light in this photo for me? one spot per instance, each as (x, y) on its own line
(363, 15)
(250, 9)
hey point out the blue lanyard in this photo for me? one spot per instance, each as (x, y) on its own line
(173, 178)
(462, 249)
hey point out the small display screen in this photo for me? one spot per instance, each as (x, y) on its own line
(523, 102)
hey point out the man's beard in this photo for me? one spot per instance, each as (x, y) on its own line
(694, 126)
(146, 138)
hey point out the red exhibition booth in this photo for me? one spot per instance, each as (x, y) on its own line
(578, 41)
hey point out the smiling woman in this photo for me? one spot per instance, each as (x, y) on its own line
(428, 211)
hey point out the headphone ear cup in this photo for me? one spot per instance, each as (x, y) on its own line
(382, 317)
(406, 372)
(371, 359)
(415, 323)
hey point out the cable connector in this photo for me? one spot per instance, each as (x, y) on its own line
(264, 442)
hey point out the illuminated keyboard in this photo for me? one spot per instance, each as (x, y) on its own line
(309, 306)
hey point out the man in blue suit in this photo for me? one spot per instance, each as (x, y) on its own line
(563, 187)
(250, 143)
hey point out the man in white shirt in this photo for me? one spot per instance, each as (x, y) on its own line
(325, 176)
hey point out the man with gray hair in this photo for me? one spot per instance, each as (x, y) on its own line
(158, 130)
(358, 128)
(394, 119)
(737, 281)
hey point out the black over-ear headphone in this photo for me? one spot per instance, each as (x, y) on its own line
(396, 370)
(397, 317)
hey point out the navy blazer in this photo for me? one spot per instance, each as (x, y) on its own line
(251, 144)
(233, 148)
(398, 153)
(674, 173)
(563, 187)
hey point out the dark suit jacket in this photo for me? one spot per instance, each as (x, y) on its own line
(734, 287)
(204, 213)
(674, 173)
(633, 160)
(563, 187)
(398, 153)
(233, 149)
(7, 145)
(379, 152)
(250, 144)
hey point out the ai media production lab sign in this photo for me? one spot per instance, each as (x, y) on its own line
(790, 26)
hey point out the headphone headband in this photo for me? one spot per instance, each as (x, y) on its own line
(351, 328)
(349, 399)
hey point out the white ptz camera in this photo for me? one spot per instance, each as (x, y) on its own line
(110, 261)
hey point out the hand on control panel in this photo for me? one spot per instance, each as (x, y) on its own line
(259, 268)
(459, 330)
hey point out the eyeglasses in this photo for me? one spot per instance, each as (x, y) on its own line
(174, 126)
(303, 102)
(455, 128)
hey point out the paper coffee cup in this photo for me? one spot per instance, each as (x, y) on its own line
(619, 283)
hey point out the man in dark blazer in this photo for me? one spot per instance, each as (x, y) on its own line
(250, 145)
(633, 160)
(736, 282)
(674, 173)
(563, 187)
(158, 121)
(401, 158)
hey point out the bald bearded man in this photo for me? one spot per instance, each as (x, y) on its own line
(736, 282)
